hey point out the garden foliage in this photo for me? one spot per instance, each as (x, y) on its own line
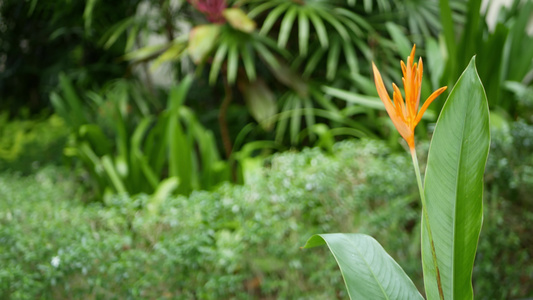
(242, 241)
(84, 117)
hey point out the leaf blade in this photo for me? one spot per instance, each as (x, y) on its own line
(454, 187)
(368, 271)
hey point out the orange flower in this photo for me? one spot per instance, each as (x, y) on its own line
(405, 115)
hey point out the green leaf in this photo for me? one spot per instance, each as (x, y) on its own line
(233, 63)
(248, 62)
(296, 118)
(333, 59)
(286, 26)
(320, 29)
(110, 37)
(261, 8)
(454, 187)
(96, 138)
(179, 147)
(368, 271)
(107, 164)
(449, 33)
(146, 53)
(520, 57)
(261, 102)
(239, 20)
(201, 40)
(313, 62)
(469, 43)
(88, 14)
(173, 53)
(335, 23)
(273, 17)
(267, 55)
(303, 32)
(400, 39)
(72, 101)
(434, 63)
(351, 57)
(136, 155)
(217, 63)
(164, 190)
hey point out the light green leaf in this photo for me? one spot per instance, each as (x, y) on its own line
(239, 20)
(96, 138)
(333, 59)
(88, 14)
(303, 32)
(261, 102)
(320, 29)
(273, 17)
(233, 63)
(326, 15)
(217, 63)
(164, 190)
(351, 57)
(107, 164)
(400, 39)
(267, 55)
(173, 53)
(146, 53)
(368, 271)
(261, 8)
(248, 62)
(201, 40)
(286, 26)
(454, 187)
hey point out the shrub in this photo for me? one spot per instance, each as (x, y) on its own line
(237, 242)
(26, 144)
(503, 266)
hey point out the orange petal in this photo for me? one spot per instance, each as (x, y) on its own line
(411, 57)
(382, 92)
(404, 130)
(396, 118)
(398, 101)
(411, 93)
(419, 73)
(428, 102)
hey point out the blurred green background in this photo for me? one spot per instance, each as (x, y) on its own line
(169, 149)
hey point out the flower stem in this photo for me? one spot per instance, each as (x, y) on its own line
(426, 220)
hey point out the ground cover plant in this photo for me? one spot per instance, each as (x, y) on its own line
(242, 242)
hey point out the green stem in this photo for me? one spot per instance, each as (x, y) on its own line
(426, 220)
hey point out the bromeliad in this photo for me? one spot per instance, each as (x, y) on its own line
(405, 114)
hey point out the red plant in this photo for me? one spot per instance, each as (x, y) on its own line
(212, 9)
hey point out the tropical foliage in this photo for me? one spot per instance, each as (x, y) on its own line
(185, 139)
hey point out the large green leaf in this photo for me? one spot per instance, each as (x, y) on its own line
(454, 187)
(368, 271)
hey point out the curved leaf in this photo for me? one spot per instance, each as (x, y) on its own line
(202, 39)
(368, 271)
(454, 187)
(239, 20)
(286, 26)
